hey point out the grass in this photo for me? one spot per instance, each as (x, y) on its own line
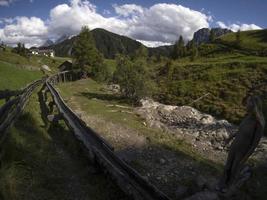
(34, 62)
(251, 40)
(44, 161)
(93, 99)
(13, 77)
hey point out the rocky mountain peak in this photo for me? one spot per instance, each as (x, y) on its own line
(203, 35)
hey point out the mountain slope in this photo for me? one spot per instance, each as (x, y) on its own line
(255, 40)
(109, 44)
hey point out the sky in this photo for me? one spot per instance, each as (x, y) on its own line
(151, 22)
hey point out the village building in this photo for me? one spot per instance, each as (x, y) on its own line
(43, 52)
(66, 66)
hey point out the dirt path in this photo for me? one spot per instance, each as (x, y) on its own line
(167, 168)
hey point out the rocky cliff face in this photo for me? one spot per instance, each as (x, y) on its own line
(202, 35)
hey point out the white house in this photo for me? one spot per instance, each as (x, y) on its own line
(44, 52)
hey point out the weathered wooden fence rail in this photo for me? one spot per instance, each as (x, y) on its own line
(12, 109)
(99, 151)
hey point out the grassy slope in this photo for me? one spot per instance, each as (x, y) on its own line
(13, 77)
(45, 162)
(226, 72)
(253, 40)
(32, 63)
(17, 71)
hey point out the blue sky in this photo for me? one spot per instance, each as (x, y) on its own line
(17, 15)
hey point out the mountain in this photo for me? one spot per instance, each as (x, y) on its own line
(108, 43)
(62, 38)
(203, 35)
(48, 43)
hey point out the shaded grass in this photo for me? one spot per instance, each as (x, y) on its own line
(46, 162)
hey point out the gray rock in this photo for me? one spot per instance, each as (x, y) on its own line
(200, 182)
(162, 161)
(202, 35)
(207, 195)
(222, 134)
(181, 192)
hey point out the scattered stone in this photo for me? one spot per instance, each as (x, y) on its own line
(181, 192)
(200, 182)
(115, 88)
(207, 195)
(162, 161)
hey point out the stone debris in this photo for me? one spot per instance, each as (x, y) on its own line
(187, 121)
(206, 195)
(114, 88)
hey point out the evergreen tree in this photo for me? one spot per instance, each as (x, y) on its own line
(212, 36)
(132, 77)
(194, 51)
(179, 49)
(238, 38)
(141, 52)
(85, 54)
(20, 49)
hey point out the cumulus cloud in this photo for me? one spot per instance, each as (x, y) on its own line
(128, 9)
(31, 31)
(160, 24)
(241, 27)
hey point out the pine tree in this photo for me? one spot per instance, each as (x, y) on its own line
(132, 76)
(179, 49)
(238, 38)
(141, 52)
(85, 53)
(194, 51)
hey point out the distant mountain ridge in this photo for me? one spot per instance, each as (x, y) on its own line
(47, 43)
(110, 44)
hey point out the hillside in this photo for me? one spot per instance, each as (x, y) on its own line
(17, 71)
(252, 42)
(109, 44)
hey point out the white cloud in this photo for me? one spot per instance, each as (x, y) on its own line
(154, 43)
(31, 31)
(128, 9)
(6, 2)
(236, 27)
(160, 24)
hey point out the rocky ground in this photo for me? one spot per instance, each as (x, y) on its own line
(211, 137)
(206, 134)
(175, 172)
